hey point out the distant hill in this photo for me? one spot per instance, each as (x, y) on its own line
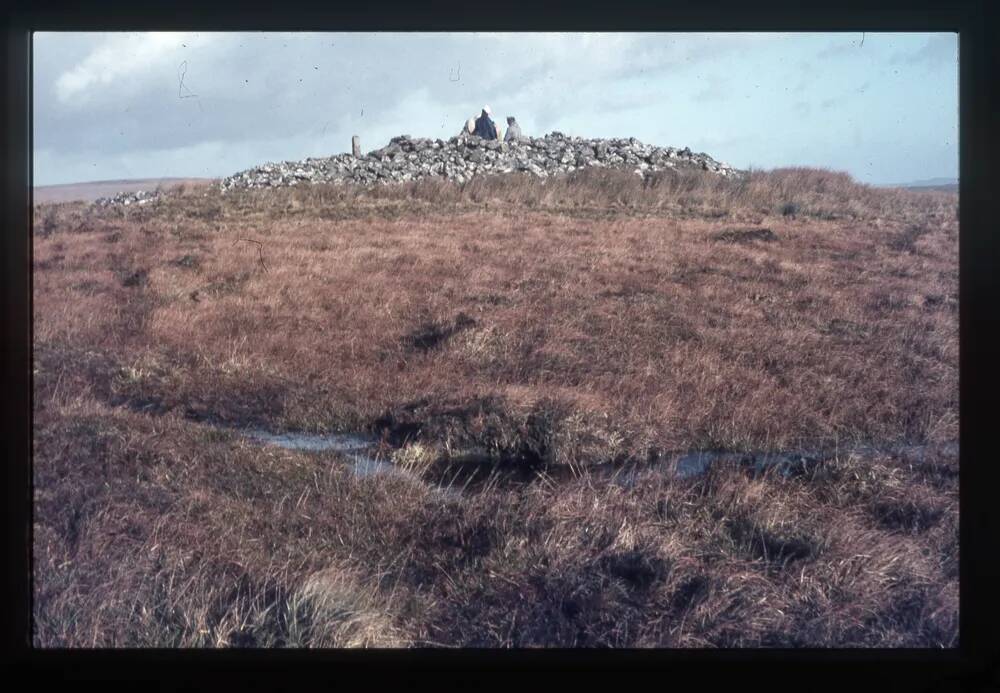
(90, 191)
(930, 183)
(946, 184)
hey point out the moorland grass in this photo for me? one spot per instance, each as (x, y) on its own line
(594, 318)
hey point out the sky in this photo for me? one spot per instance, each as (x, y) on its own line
(108, 106)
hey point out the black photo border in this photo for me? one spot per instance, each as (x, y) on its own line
(972, 666)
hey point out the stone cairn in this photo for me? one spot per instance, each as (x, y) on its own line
(460, 158)
(140, 197)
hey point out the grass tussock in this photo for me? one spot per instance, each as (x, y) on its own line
(592, 319)
(155, 533)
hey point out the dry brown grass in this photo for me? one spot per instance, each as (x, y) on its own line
(589, 319)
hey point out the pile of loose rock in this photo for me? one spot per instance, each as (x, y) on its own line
(140, 197)
(407, 158)
(461, 158)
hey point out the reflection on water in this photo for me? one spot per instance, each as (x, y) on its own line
(312, 442)
(694, 464)
(365, 465)
(360, 450)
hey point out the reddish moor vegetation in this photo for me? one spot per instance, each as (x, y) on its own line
(592, 319)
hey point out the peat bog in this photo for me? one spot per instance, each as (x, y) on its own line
(594, 411)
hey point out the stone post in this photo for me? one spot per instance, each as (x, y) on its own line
(356, 147)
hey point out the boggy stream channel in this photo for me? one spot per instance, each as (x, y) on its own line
(474, 472)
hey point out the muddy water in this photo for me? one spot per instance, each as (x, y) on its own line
(360, 451)
(694, 464)
(343, 442)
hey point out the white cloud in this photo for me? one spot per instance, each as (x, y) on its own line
(939, 49)
(117, 98)
(123, 60)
